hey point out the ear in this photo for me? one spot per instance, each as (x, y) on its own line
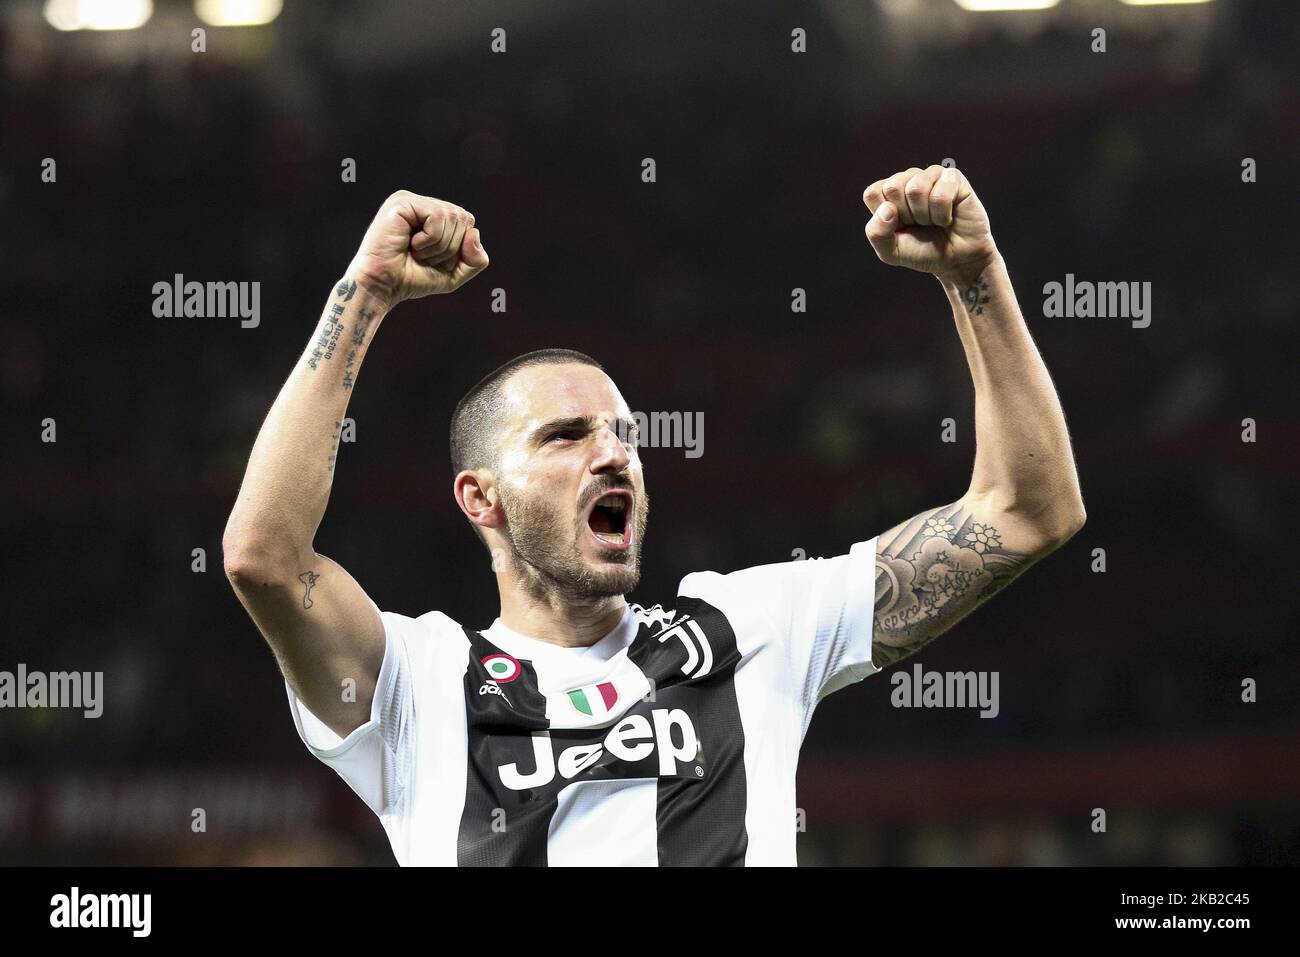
(476, 494)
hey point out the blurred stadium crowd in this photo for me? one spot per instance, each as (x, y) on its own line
(1119, 690)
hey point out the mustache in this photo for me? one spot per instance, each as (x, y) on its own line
(604, 485)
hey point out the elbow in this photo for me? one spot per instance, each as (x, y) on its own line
(257, 550)
(1045, 522)
(251, 562)
(1064, 521)
(1074, 522)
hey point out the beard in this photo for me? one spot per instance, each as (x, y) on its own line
(547, 548)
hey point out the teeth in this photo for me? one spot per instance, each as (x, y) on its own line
(613, 537)
(615, 504)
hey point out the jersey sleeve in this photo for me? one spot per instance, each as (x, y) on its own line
(376, 758)
(818, 611)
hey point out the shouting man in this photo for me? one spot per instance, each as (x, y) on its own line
(579, 728)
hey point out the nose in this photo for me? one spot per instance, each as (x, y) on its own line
(611, 453)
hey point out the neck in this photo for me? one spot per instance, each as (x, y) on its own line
(552, 618)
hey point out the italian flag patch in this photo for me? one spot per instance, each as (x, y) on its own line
(595, 701)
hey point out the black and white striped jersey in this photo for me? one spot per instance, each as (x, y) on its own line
(673, 740)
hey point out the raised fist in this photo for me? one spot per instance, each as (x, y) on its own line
(417, 246)
(930, 220)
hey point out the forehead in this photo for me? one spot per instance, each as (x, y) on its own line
(537, 394)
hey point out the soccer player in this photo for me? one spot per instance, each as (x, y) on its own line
(578, 728)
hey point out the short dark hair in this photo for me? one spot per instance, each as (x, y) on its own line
(476, 418)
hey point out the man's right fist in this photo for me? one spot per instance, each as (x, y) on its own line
(417, 246)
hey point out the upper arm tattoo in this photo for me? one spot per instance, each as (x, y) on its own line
(309, 579)
(935, 569)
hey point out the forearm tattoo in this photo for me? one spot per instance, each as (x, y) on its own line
(936, 569)
(976, 296)
(364, 317)
(331, 329)
(334, 446)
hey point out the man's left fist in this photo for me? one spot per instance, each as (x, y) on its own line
(932, 221)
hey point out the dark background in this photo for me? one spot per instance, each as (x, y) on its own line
(1119, 690)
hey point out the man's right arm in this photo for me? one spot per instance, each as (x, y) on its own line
(320, 624)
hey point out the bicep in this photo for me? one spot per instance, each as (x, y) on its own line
(940, 565)
(326, 634)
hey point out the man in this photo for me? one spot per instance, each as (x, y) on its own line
(579, 729)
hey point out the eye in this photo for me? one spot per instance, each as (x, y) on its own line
(626, 432)
(568, 435)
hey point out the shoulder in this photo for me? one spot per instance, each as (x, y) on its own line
(430, 637)
(782, 594)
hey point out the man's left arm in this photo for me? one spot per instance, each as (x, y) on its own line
(1024, 500)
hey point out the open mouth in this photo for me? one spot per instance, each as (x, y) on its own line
(610, 519)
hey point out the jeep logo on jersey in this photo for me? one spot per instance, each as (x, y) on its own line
(633, 740)
(501, 667)
(595, 701)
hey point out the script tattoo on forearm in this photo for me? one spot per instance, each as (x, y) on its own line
(308, 578)
(328, 340)
(334, 445)
(938, 568)
(332, 326)
(364, 316)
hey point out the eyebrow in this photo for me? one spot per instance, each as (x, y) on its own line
(585, 422)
